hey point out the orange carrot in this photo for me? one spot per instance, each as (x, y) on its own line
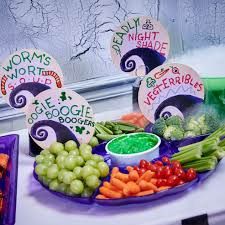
(114, 171)
(110, 186)
(4, 160)
(109, 193)
(101, 197)
(117, 183)
(145, 186)
(129, 168)
(133, 175)
(143, 193)
(133, 187)
(122, 176)
(146, 176)
(163, 188)
(126, 191)
(153, 181)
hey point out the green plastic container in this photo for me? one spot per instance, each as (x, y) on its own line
(215, 93)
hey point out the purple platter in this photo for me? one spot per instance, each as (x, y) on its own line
(165, 150)
(10, 145)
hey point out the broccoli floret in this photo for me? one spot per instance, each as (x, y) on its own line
(189, 134)
(159, 127)
(173, 133)
(208, 123)
(191, 124)
(174, 120)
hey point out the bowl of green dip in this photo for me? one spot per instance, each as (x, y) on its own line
(129, 149)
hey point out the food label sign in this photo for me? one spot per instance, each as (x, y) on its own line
(139, 45)
(59, 115)
(169, 90)
(26, 73)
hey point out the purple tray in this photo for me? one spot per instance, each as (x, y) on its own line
(165, 149)
(10, 145)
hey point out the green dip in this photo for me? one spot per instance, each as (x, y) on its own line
(135, 143)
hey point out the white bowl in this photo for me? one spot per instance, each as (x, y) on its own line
(134, 158)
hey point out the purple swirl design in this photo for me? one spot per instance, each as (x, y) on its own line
(150, 57)
(19, 101)
(63, 133)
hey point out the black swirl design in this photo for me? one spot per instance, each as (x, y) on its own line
(181, 102)
(63, 133)
(150, 57)
(19, 101)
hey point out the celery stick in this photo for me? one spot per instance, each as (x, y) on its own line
(222, 143)
(202, 166)
(209, 146)
(188, 157)
(219, 153)
(186, 152)
(218, 133)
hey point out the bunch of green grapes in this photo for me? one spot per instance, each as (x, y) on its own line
(69, 169)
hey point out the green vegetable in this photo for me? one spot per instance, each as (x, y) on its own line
(188, 157)
(201, 165)
(173, 133)
(191, 124)
(208, 123)
(174, 120)
(106, 137)
(189, 133)
(159, 126)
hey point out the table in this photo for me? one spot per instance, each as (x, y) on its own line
(36, 205)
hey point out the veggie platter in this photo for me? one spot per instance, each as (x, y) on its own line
(171, 144)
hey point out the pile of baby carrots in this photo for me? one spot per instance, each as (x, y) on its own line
(123, 185)
(135, 118)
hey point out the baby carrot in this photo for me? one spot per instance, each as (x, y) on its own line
(133, 175)
(144, 186)
(101, 197)
(163, 188)
(143, 193)
(114, 171)
(109, 193)
(122, 176)
(146, 176)
(109, 186)
(129, 168)
(117, 183)
(153, 181)
(126, 191)
(133, 187)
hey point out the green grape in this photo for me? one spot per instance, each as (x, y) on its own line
(65, 153)
(96, 172)
(52, 171)
(87, 171)
(46, 181)
(54, 185)
(87, 192)
(93, 142)
(103, 169)
(77, 171)
(70, 162)
(91, 163)
(92, 181)
(62, 187)
(61, 174)
(48, 163)
(56, 147)
(68, 177)
(77, 187)
(70, 145)
(85, 147)
(45, 152)
(74, 152)
(40, 178)
(39, 159)
(60, 161)
(86, 154)
(97, 158)
(50, 157)
(69, 192)
(41, 169)
(79, 160)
